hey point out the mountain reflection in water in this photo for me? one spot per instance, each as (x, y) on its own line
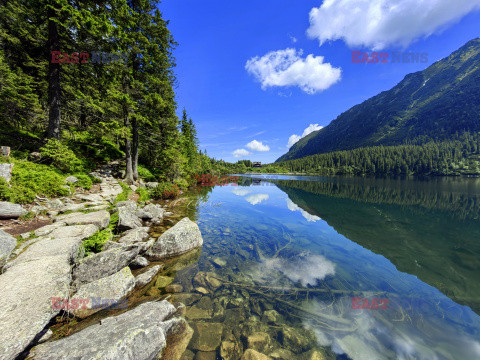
(303, 247)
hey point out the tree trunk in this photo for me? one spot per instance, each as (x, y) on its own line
(128, 154)
(135, 148)
(53, 79)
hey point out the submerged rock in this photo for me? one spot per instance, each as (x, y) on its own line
(7, 245)
(207, 336)
(177, 240)
(251, 354)
(145, 278)
(138, 334)
(104, 293)
(260, 341)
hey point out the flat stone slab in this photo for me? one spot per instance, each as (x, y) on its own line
(47, 229)
(144, 278)
(11, 211)
(127, 219)
(99, 218)
(7, 245)
(179, 239)
(103, 293)
(138, 334)
(25, 301)
(63, 241)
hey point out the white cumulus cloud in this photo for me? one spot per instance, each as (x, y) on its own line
(257, 198)
(294, 138)
(379, 23)
(241, 153)
(288, 68)
(257, 146)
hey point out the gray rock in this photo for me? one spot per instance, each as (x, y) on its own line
(90, 197)
(7, 244)
(128, 203)
(135, 235)
(151, 185)
(55, 204)
(177, 240)
(139, 262)
(144, 278)
(99, 218)
(73, 207)
(103, 264)
(103, 293)
(155, 212)
(5, 151)
(26, 235)
(11, 211)
(47, 229)
(35, 156)
(6, 171)
(138, 334)
(37, 209)
(127, 219)
(98, 207)
(71, 180)
(41, 272)
(63, 241)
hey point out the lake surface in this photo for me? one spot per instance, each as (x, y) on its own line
(284, 256)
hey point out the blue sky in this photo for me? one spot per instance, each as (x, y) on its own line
(286, 87)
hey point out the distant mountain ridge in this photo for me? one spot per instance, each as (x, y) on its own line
(435, 103)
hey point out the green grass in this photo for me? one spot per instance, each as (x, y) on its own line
(123, 196)
(144, 194)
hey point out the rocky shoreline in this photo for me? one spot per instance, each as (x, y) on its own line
(48, 275)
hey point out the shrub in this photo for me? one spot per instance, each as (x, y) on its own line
(60, 156)
(144, 194)
(84, 181)
(165, 191)
(181, 183)
(94, 243)
(30, 179)
(145, 174)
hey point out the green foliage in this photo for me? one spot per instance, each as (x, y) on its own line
(94, 243)
(144, 194)
(60, 156)
(30, 179)
(123, 196)
(145, 174)
(453, 157)
(181, 183)
(165, 190)
(84, 181)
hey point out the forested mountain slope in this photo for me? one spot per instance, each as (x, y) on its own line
(442, 100)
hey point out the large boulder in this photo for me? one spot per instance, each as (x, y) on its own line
(177, 240)
(30, 281)
(103, 293)
(11, 211)
(127, 219)
(7, 245)
(103, 264)
(99, 218)
(6, 171)
(138, 334)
